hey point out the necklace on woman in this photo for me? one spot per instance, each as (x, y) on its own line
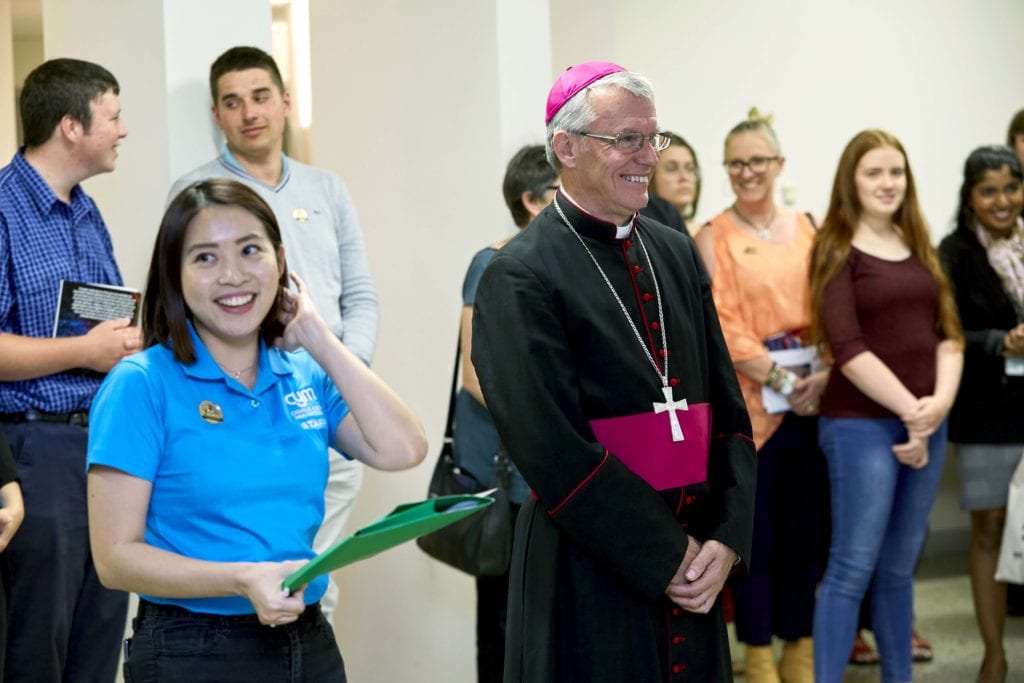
(668, 405)
(763, 232)
(237, 374)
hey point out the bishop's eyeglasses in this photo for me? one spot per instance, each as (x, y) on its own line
(629, 143)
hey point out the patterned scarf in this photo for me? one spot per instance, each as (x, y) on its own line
(1006, 256)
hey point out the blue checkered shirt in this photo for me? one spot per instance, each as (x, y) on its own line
(43, 240)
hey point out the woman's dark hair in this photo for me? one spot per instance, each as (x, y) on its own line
(165, 316)
(680, 141)
(528, 171)
(1016, 128)
(979, 162)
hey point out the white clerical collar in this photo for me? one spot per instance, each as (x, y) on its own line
(621, 231)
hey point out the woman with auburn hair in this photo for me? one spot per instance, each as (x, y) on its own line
(757, 254)
(881, 304)
(983, 258)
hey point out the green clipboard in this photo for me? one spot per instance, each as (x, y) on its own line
(404, 523)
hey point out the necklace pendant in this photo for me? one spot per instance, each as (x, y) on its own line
(671, 407)
(764, 234)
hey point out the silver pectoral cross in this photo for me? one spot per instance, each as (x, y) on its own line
(672, 406)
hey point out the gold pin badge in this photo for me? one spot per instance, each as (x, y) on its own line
(300, 215)
(211, 412)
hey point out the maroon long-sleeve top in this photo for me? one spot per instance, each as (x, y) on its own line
(889, 308)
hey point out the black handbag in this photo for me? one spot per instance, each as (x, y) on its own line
(481, 544)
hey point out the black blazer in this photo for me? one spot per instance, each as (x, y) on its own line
(989, 406)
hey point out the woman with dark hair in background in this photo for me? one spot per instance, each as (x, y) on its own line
(880, 303)
(984, 257)
(675, 185)
(1015, 135)
(528, 187)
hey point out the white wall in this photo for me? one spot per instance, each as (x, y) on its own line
(943, 78)
(8, 130)
(407, 109)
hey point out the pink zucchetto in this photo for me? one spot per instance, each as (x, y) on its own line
(574, 79)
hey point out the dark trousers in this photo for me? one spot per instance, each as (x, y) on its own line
(172, 644)
(65, 626)
(491, 613)
(791, 536)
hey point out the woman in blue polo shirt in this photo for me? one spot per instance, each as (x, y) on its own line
(208, 451)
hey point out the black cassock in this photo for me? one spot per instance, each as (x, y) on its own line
(596, 545)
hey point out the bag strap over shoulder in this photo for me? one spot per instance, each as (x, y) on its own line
(451, 396)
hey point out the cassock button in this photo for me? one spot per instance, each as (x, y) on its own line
(673, 382)
(678, 668)
(675, 611)
(629, 244)
(662, 352)
(689, 500)
(655, 325)
(648, 296)
(677, 639)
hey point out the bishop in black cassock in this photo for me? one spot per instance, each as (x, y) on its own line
(628, 463)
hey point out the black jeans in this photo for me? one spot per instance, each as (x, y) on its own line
(172, 644)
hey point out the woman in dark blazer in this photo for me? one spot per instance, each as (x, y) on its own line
(984, 257)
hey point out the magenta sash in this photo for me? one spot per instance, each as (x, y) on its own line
(644, 443)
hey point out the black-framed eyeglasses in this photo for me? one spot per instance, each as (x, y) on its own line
(755, 164)
(630, 142)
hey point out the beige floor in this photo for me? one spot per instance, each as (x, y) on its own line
(945, 616)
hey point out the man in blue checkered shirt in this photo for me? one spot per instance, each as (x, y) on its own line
(64, 624)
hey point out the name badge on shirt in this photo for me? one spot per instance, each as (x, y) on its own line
(211, 412)
(1014, 367)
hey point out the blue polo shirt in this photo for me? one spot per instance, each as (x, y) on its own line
(237, 474)
(44, 240)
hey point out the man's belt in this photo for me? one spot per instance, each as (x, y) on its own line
(78, 417)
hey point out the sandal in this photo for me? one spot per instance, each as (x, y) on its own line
(863, 654)
(920, 648)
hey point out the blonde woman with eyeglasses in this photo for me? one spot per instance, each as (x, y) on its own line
(757, 254)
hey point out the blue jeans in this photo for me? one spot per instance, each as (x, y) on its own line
(172, 644)
(880, 514)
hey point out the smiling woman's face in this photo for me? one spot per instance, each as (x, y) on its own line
(881, 179)
(229, 274)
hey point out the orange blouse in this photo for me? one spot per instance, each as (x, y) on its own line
(760, 289)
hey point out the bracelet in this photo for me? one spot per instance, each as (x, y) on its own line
(773, 376)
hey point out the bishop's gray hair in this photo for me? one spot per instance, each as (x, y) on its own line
(577, 114)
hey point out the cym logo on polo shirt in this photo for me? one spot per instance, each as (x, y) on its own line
(306, 408)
